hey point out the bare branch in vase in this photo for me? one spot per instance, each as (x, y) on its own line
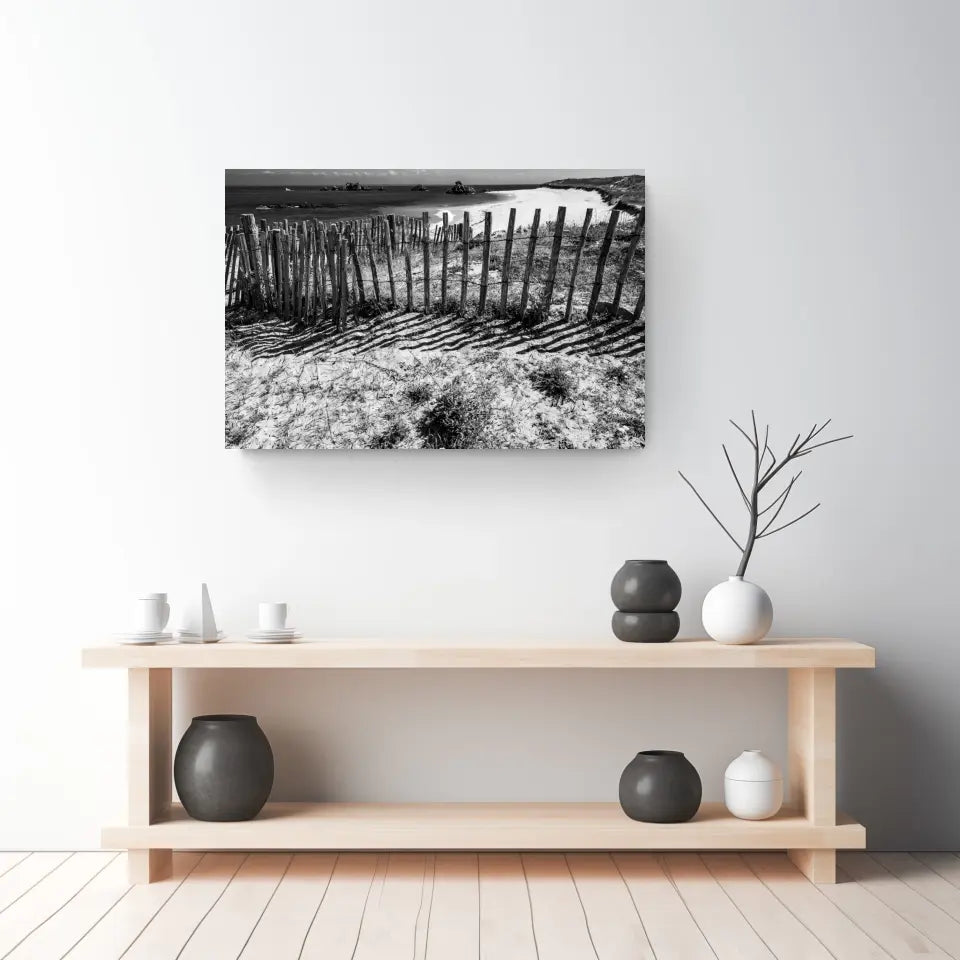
(761, 478)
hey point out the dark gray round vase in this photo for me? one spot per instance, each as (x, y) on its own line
(646, 627)
(223, 768)
(660, 786)
(645, 586)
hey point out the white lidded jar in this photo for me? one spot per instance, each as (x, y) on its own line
(753, 786)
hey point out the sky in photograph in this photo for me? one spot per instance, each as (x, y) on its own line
(303, 178)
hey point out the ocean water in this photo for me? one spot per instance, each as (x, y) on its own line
(435, 201)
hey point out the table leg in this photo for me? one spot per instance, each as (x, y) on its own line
(149, 760)
(812, 737)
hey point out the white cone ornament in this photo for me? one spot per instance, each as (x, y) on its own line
(197, 621)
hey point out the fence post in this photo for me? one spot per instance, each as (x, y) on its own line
(294, 275)
(277, 269)
(531, 248)
(485, 271)
(465, 255)
(322, 270)
(505, 272)
(392, 227)
(393, 286)
(584, 233)
(425, 224)
(304, 263)
(231, 262)
(285, 270)
(342, 286)
(333, 245)
(625, 266)
(373, 268)
(358, 275)
(403, 234)
(265, 261)
(602, 262)
(554, 258)
(311, 298)
(406, 254)
(252, 233)
(443, 269)
(299, 238)
(353, 300)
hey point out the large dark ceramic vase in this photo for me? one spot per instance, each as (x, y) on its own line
(645, 593)
(660, 786)
(223, 768)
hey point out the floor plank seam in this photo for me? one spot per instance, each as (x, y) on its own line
(433, 890)
(938, 873)
(583, 909)
(636, 908)
(206, 914)
(273, 893)
(3, 873)
(666, 872)
(416, 924)
(366, 901)
(533, 926)
(323, 897)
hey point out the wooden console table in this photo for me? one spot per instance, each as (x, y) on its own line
(808, 827)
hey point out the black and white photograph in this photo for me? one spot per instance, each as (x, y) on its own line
(444, 309)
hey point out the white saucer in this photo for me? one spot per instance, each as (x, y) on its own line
(185, 637)
(143, 638)
(273, 637)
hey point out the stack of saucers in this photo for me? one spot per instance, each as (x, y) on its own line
(144, 638)
(283, 635)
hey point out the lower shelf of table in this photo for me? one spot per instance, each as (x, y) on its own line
(482, 826)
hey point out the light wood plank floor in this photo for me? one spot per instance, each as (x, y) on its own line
(458, 906)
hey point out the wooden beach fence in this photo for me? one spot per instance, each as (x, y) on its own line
(310, 271)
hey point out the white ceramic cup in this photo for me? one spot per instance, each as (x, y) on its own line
(151, 613)
(273, 616)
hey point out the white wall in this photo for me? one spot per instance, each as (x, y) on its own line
(802, 234)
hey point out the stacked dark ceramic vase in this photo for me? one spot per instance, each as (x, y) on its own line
(646, 593)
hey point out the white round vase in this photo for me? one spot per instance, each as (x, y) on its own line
(737, 611)
(753, 786)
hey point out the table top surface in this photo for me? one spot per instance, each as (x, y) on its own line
(375, 653)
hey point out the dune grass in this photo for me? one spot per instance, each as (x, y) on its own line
(398, 398)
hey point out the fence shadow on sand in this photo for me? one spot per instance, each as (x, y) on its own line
(621, 337)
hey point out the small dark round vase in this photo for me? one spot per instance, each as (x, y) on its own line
(646, 627)
(223, 768)
(645, 586)
(660, 786)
